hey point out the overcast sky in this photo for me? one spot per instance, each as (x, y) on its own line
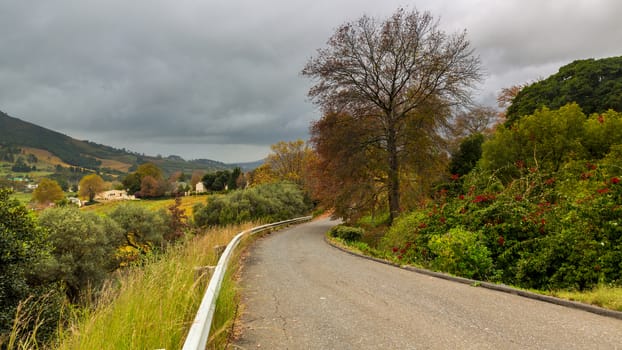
(220, 79)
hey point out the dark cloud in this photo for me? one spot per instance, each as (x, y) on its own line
(220, 79)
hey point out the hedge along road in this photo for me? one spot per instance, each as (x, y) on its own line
(300, 293)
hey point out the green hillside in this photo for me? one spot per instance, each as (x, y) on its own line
(15, 132)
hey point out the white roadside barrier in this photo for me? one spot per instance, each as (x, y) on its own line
(200, 329)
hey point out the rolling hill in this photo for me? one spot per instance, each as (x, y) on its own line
(66, 151)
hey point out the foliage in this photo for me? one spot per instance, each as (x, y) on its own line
(267, 202)
(390, 83)
(548, 139)
(22, 244)
(84, 249)
(288, 161)
(151, 187)
(460, 252)
(144, 230)
(91, 185)
(347, 233)
(48, 191)
(146, 182)
(594, 84)
(177, 221)
(221, 180)
(467, 156)
(542, 230)
(151, 307)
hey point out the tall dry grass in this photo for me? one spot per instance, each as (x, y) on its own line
(152, 307)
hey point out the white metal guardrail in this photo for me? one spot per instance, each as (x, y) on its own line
(200, 329)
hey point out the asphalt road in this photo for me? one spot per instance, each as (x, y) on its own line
(301, 293)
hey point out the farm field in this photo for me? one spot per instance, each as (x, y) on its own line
(154, 204)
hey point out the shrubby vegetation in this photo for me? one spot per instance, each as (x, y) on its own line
(65, 255)
(534, 214)
(84, 249)
(22, 244)
(347, 233)
(267, 202)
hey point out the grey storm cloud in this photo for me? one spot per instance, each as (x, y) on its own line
(221, 79)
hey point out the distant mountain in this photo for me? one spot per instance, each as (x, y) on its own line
(248, 166)
(85, 154)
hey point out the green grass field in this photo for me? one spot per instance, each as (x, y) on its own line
(153, 204)
(24, 198)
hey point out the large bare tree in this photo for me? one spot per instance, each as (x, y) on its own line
(384, 71)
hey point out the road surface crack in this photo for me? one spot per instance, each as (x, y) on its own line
(277, 312)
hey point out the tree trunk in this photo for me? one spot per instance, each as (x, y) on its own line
(393, 181)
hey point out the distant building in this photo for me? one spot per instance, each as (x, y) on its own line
(74, 200)
(113, 195)
(200, 187)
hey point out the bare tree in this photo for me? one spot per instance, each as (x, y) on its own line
(385, 71)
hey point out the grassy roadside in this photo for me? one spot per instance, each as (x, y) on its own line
(608, 297)
(151, 307)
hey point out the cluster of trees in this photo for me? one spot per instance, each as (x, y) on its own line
(532, 202)
(147, 181)
(541, 209)
(593, 84)
(223, 180)
(267, 202)
(65, 252)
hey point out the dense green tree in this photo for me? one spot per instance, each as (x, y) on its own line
(132, 182)
(84, 246)
(382, 73)
(602, 131)
(596, 85)
(467, 156)
(22, 245)
(232, 182)
(218, 180)
(144, 228)
(544, 140)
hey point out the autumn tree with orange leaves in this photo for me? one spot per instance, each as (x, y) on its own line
(380, 79)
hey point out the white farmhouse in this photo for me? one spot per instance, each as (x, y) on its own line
(199, 187)
(113, 195)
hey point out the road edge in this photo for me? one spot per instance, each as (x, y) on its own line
(492, 286)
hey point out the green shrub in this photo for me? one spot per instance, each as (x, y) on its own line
(268, 202)
(22, 244)
(403, 230)
(347, 233)
(144, 228)
(461, 252)
(83, 248)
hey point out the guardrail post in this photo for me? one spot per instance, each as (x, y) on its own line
(218, 250)
(203, 271)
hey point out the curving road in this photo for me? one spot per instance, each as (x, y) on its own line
(300, 293)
